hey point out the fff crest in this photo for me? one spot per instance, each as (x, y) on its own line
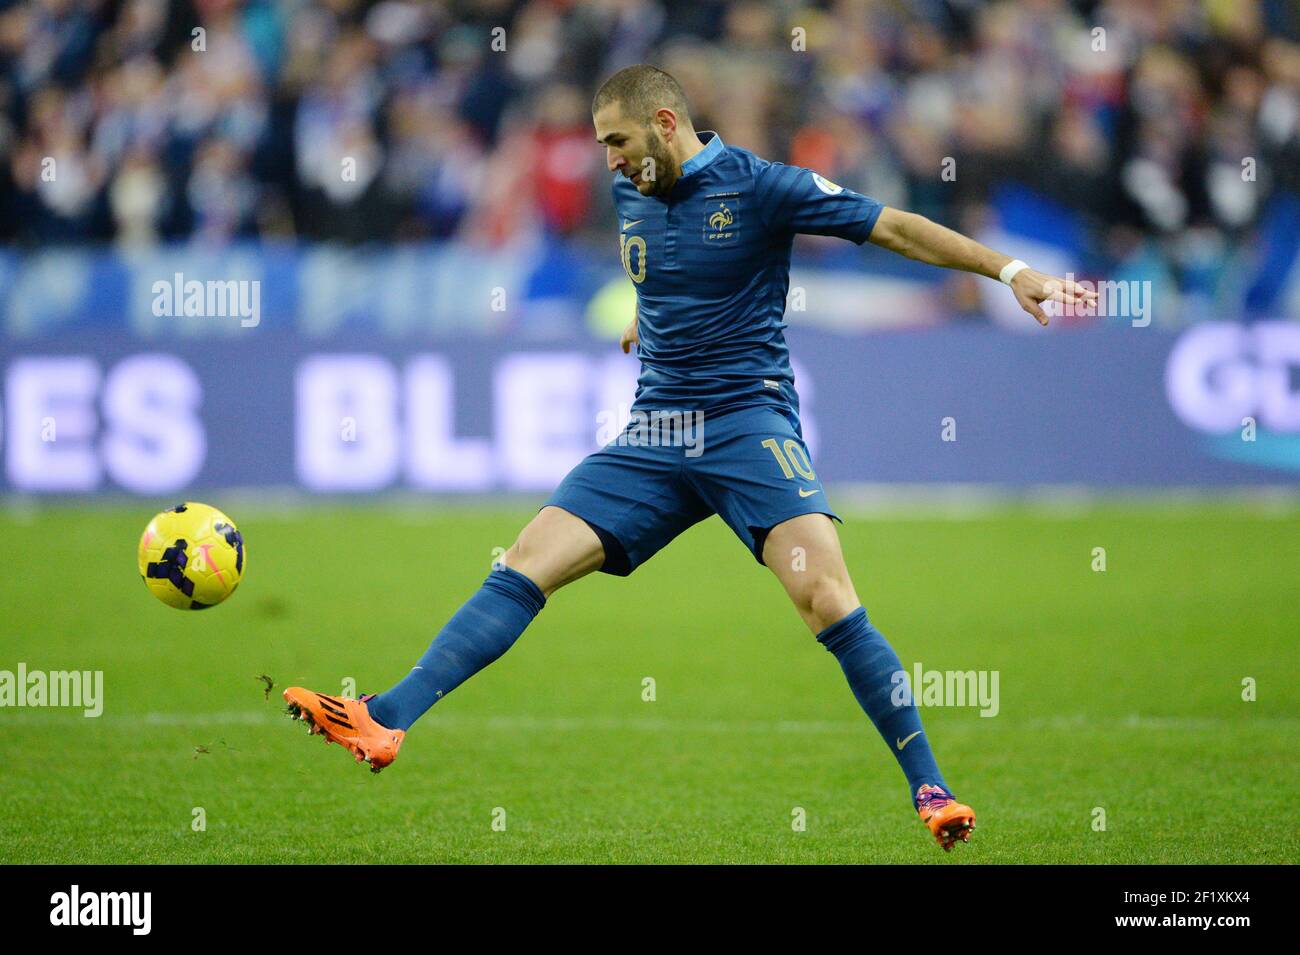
(720, 219)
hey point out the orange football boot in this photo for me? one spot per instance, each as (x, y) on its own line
(346, 722)
(944, 816)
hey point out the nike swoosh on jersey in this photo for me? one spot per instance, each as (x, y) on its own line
(903, 742)
(804, 492)
(627, 225)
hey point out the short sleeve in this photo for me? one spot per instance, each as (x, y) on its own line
(795, 199)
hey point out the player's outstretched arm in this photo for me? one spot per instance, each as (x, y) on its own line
(919, 238)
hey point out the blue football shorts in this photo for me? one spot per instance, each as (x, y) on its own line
(662, 475)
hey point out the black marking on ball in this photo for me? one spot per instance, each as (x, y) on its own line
(172, 567)
(235, 539)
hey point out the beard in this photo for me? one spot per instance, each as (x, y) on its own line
(665, 172)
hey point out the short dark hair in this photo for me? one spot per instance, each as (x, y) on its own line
(641, 90)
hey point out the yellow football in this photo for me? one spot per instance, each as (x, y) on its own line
(192, 556)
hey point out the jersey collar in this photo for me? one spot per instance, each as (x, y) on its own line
(713, 147)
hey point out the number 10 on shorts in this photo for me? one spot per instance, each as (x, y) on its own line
(792, 455)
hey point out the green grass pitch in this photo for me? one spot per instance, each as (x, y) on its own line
(1119, 690)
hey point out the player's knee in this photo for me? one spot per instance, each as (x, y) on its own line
(514, 554)
(529, 555)
(554, 550)
(828, 598)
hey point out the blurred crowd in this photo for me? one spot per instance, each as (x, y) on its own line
(1161, 125)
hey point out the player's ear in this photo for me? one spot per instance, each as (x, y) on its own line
(666, 122)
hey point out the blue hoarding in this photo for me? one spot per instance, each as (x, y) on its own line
(99, 410)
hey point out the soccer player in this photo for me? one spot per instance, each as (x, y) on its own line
(705, 231)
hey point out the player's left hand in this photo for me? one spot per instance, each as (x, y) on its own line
(1031, 288)
(629, 336)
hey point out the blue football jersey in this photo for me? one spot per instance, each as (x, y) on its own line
(711, 266)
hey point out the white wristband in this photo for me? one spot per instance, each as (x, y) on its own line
(1011, 270)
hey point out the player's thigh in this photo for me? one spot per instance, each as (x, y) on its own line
(554, 549)
(805, 554)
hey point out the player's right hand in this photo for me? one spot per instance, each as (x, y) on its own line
(629, 337)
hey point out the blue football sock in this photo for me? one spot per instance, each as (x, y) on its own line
(480, 631)
(869, 663)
